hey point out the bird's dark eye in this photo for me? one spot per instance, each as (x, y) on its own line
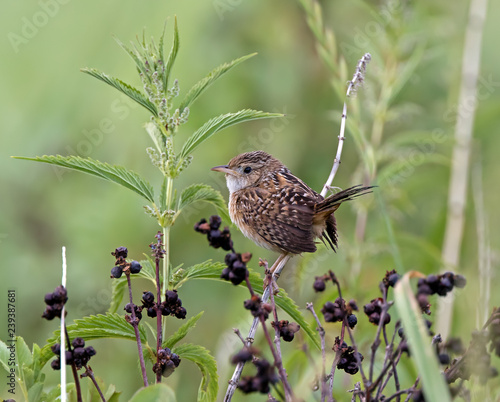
(247, 170)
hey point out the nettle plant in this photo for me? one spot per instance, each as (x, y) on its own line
(168, 115)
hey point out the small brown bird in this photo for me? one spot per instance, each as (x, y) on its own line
(277, 210)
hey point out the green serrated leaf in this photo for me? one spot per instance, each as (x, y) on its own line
(212, 270)
(124, 88)
(219, 123)
(154, 393)
(113, 173)
(95, 327)
(204, 83)
(208, 366)
(204, 270)
(424, 357)
(202, 192)
(172, 340)
(172, 56)
(139, 63)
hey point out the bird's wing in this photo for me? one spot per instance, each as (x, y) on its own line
(281, 218)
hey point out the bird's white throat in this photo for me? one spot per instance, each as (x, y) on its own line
(233, 183)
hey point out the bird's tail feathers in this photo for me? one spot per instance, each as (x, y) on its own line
(331, 203)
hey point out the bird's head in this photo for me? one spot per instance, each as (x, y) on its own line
(246, 170)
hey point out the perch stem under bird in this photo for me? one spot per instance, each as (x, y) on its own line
(276, 209)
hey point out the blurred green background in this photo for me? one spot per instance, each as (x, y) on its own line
(49, 107)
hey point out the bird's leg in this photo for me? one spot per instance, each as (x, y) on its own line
(270, 271)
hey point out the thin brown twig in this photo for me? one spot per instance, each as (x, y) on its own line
(135, 324)
(73, 369)
(277, 338)
(238, 334)
(357, 79)
(159, 328)
(321, 332)
(90, 373)
(277, 267)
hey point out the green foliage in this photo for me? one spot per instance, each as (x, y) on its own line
(172, 340)
(27, 369)
(154, 393)
(202, 192)
(423, 355)
(95, 327)
(115, 174)
(219, 123)
(208, 366)
(124, 88)
(203, 84)
(212, 270)
(173, 52)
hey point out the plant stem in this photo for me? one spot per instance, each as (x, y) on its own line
(277, 361)
(158, 315)
(338, 353)
(276, 269)
(90, 373)
(135, 324)
(381, 324)
(166, 236)
(277, 339)
(321, 332)
(457, 193)
(73, 368)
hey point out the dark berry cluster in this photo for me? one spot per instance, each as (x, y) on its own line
(390, 278)
(350, 360)
(261, 381)
(320, 281)
(374, 311)
(171, 306)
(137, 310)
(338, 310)
(121, 264)
(437, 284)
(216, 237)
(287, 329)
(257, 308)
(55, 302)
(167, 362)
(244, 355)
(236, 270)
(79, 355)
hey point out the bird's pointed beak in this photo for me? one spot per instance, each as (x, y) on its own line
(224, 169)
